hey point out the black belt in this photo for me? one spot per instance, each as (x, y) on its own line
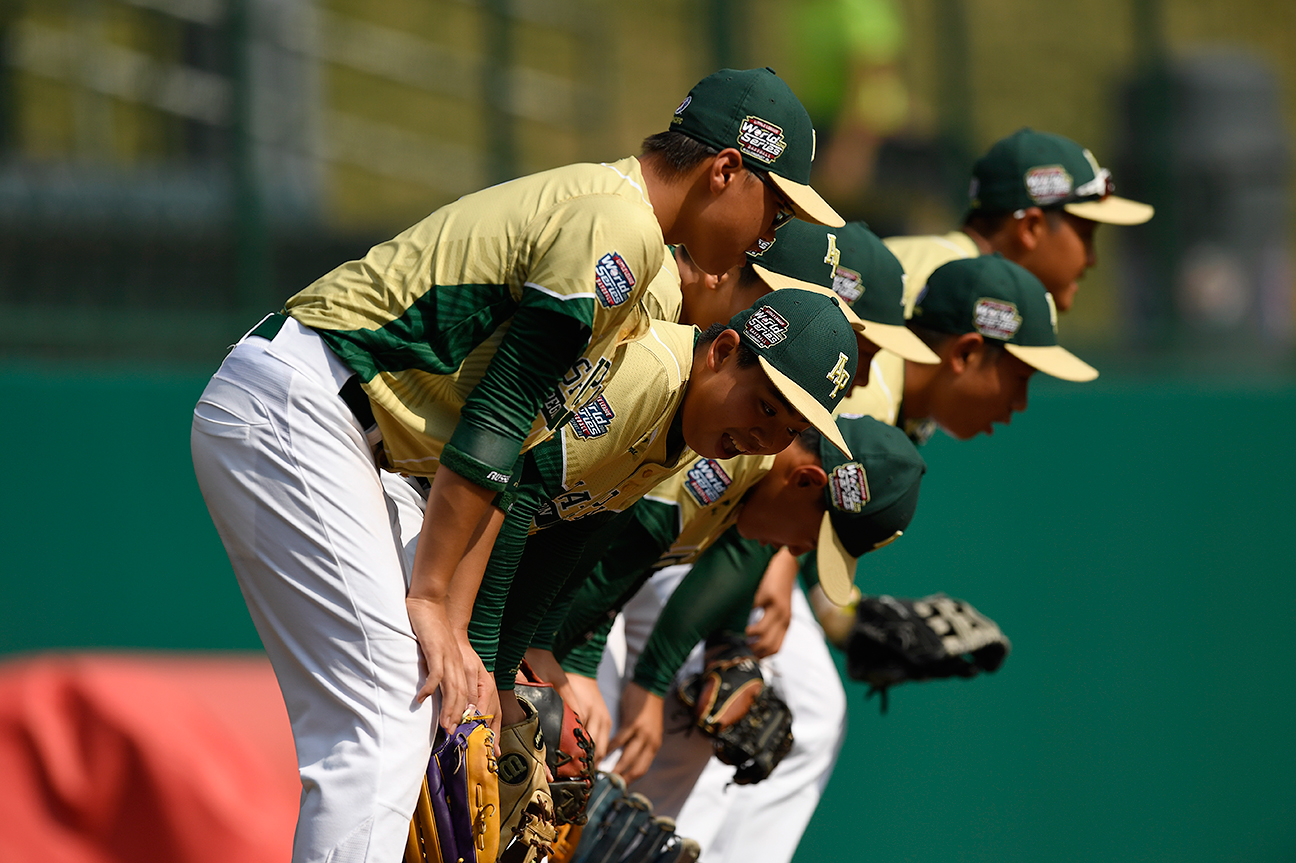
(352, 392)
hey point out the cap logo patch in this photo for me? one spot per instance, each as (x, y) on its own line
(833, 258)
(761, 140)
(838, 375)
(683, 105)
(613, 280)
(1048, 298)
(707, 481)
(848, 486)
(996, 319)
(766, 327)
(846, 284)
(1048, 184)
(593, 420)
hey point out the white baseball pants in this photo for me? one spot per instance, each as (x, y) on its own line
(314, 540)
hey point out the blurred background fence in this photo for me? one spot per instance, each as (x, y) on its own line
(170, 168)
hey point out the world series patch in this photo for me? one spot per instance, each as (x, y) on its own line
(846, 284)
(593, 420)
(761, 139)
(1048, 184)
(996, 319)
(766, 327)
(848, 486)
(613, 280)
(707, 481)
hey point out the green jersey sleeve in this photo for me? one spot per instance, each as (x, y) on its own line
(720, 586)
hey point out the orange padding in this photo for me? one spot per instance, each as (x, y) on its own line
(150, 757)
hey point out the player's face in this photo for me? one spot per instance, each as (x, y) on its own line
(729, 410)
(984, 393)
(740, 212)
(1059, 260)
(782, 513)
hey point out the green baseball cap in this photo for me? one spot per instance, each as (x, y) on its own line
(1036, 169)
(807, 348)
(753, 111)
(854, 264)
(1002, 301)
(871, 498)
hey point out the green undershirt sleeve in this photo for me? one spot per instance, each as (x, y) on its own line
(548, 559)
(719, 587)
(540, 346)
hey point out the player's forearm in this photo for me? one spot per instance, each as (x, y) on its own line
(468, 576)
(547, 562)
(457, 512)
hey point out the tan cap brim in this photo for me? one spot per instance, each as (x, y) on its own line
(1054, 360)
(808, 405)
(807, 203)
(836, 566)
(778, 281)
(1112, 210)
(900, 341)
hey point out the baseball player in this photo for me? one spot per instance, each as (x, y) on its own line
(503, 310)
(1037, 199)
(992, 324)
(746, 387)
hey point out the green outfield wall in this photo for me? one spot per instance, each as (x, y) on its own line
(1131, 536)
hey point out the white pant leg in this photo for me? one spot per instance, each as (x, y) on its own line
(765, 821)
(290, 482)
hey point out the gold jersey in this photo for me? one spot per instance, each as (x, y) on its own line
(420, 317)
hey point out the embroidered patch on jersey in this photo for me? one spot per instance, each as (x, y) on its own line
(762, 246)
(846, 284)
(1048, 184)
(761, 139)
(848, 486)
(707, 481)
(996, 319)
(766, 327)
(593, 420)
(613, 280)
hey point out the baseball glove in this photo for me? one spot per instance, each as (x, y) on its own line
(898, 640)
(569, 751)
(526, 811)
(457, 815)
(623, 829)
(751, 725)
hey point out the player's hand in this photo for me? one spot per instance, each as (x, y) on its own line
(481, 687)
(594, 712)
(641, 732)
(441, 654)
(774, 599)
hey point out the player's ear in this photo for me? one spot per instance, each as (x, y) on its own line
(809, 476)
(725, 168)
(965, 352)
(1029, 228)
(722, 349)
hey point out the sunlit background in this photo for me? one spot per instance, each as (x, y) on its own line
(171, 170)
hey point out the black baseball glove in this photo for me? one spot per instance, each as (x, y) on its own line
(900, 640)
(751, 725)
